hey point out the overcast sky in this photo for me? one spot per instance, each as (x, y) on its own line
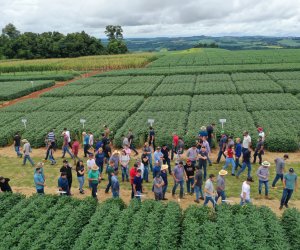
(152, 18)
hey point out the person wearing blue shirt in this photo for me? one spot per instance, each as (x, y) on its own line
(202, 132)
(86, 143)
(156, 169)
(63, 184)
(115, 186)
(158, 155)
(99, 144)
(164, 176)
(39, 181)
(100, 160)
(289, 184)
(238, 152)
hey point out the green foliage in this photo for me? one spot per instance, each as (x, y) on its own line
(175, 89)
(213, 78)
(217, 102)
(257, 86)
(249, 76)
(56, 77)
(179, 79)
(292, 75)
(290, 86)
(291, 225)
(145, 89)
(8, 201)
(68, 90)
(226, 87)
(255, 102)
(13, 90)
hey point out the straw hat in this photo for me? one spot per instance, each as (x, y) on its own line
(266, 164)
(95, 168)
(24, 141)
(164, 167)
(223, 172)
(39, 165)
(116, 152)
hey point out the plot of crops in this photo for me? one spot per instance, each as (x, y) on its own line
(213, 78)
(145, 89)
(249, 76)
(179, 79)
(175, 89)
(290, 86)
(257, 86)
(215, 88)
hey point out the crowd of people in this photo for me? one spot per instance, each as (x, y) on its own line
(154, 165)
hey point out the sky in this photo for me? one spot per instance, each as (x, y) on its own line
(155, 18)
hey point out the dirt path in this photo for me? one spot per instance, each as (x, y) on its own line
(37, 94)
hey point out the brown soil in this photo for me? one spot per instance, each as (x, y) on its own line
(37, 94)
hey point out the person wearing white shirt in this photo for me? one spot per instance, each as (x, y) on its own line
(90, 162)
(261, 133)
(245, 195)
(67, 132)
(246, 141)
(91, 140)
(141, 167)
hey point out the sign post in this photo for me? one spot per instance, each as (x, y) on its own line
(222, 121)
(151, 121)
(24, 120)
(82, 121)
(31, 83)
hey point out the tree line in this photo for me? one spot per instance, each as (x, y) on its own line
(29, 45)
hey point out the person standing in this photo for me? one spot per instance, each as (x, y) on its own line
(156, 169)
(27, 150)
(263, 174)
(116, 159)
(210, 133)
(141, 167)
(39, 181)
(66, 146)
(221, 186)
(90, 162)
(190, 175)
(91, 139)
(130, 137)
(125, 141)
(280, 163)
(132, 174)
(80, 175)
(246, 163)
(115, 186)
(198, 185)
(202, 133)
(158, 156)
(4, 184)
(110, 170)
(75, 148)
(261, 133)
(238, 152)
(100, 160)
(245, 195)
(145, 162)
(67, 132)
(63, 185)
(17, 144)
(259, 151)
(66, 168)
(124, 161)
(107, 152)
(86, 145)
(164, 176)
(137, 185)
(229, 159)
(202, 160)
(222, 146)
(175, 140)
(246, 141)
(192, 154)
(180, 149)
(179, 176)
(147, 149)
(152, 137)
(209, 191)
(94, 178)
(51, 143)
(166, 157)
(208, 150)
(158, 184)
(289, 186)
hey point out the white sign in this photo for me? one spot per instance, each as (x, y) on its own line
(24, 122)
(151, 121)
(31, 83)
(222, 121)
(82, 121)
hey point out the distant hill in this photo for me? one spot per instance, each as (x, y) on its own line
(226, 42)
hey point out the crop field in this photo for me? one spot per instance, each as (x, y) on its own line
(114, 225)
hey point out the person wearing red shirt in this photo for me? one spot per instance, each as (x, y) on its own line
(229, 159)
(75, 148)
(132, 174)
(174, 145)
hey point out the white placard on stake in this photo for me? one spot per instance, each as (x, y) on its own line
(24, 120)
(222, 121)
(151, 121)
(82, 121)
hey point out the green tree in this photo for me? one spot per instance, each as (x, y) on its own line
(116, 44)
(10, 31)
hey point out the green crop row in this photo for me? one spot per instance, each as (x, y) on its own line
(145, 89)
(283, 75)
(56, 77)
(175, 89)
(12, 90)
(213, 78)
(257, 86)
(226, 87)
(179, 79)
(102, 80)
(290, 86)
(291, 226)
(256, 102)
(249, 76)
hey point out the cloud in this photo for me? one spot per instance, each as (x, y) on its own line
(141, 18)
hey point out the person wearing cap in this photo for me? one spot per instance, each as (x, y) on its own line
(4, 184)
(39, 180)
(110, 170)
(124, 162)
(116, 159)
(158, 184)
(151, 137)
(132, 174)
(130, 137)
(65, 147)
(192, 154)
(189, 169)
(166, 157)
(66, 168)
(222, 147)
(259, 150)
(137, 185)
(156, 169)
(209, 190)
(280, 163)
(94, 178)
(245, 195)
(261, 133)
(27, 150)
(63, 184)
(263, 174)
(289, 186)
(221, 186)
(164, 176)
(115, 186)
(198, 185)
(246, 141)
(179, 177)
(246, 163)
(80, 175)
(17, 144)
(202, 160)
(238, 152)
(145, 162)
(158, 155)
